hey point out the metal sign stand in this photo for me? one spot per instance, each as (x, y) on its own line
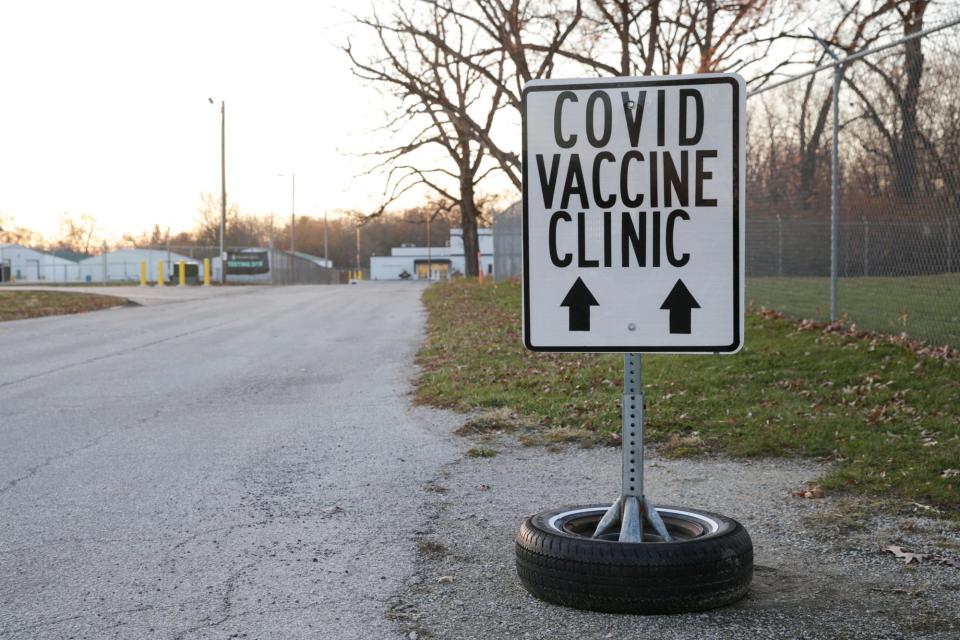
(630, 510)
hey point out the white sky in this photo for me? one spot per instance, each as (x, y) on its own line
(103, 110)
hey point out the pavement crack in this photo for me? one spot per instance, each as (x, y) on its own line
(56, 621)
(230, 586)
(170, 556)
(35, 469)
(114, 354)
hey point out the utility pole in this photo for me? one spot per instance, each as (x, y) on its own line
(326, 258)
(223, 189)
(293, 214)
(358, 252)
(223, 192)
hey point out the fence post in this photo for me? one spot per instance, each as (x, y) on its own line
(834, 190)
(834, 176)
(143, 273)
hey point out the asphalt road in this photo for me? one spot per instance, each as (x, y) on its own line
(240, 464)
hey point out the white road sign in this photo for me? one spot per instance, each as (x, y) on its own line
(633, 194)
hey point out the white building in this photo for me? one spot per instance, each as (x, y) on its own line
(23, 264)
(124, 265)
(442, 262)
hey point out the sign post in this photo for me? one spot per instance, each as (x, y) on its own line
(633, 239)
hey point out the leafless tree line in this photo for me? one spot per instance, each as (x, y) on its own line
(456, 70)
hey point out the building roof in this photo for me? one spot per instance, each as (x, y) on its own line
(48, 258)
(70, 254)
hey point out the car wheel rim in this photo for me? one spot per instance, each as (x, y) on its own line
(682, 525)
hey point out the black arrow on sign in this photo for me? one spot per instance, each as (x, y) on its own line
(680, 302)
(579, 300)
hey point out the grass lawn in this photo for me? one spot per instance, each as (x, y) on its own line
(17, 305)
(925, 307)
(887, 417)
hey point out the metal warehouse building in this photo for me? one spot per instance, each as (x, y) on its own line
(21, 263)
(124, 265)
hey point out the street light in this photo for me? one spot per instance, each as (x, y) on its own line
(223, 189)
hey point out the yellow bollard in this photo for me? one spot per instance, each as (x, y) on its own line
(160, 273)
(182, 266)
(206, 272)
(143, 273)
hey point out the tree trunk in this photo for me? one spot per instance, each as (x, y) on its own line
(905, 153)
(624, 29)
(809, 154)
(468, 221)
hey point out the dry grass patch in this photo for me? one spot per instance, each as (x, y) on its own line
(20, 305)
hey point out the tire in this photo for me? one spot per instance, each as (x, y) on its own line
(709, 564)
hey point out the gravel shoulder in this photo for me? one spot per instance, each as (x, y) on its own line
(820, 568)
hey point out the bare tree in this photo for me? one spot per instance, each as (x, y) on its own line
(442, 104)
(687, 36)
(11, 232)
(515, 41)
(243, 230)
(76, 233)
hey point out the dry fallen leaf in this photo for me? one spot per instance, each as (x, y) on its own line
(906, 556)
(925, 507)
(813, 491)
(950, 473)
(444, 579)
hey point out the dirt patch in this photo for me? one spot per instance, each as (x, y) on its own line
(494, 421)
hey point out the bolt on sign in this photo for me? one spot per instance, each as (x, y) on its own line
(633, 195)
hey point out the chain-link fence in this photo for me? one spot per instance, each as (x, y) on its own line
(885, 254)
